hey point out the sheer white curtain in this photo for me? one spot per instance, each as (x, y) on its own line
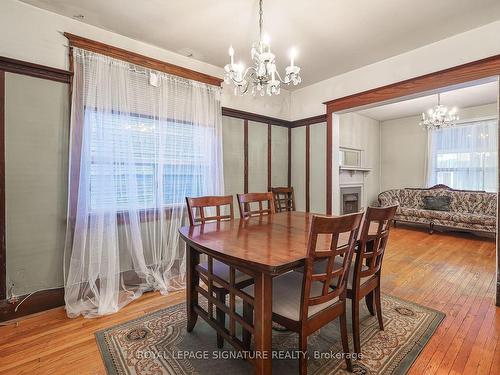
(141, 141)
(464, 156)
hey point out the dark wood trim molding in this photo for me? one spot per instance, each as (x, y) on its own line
(498, 205)
(461, 74)
(39, 301)
(245, 157)
(448, 77)
(329, 163)
(135, 58)
(308, 121)
(289, 157)
(236, 113)
(3, 248)
(269, 157)
(308, 168)
(34, 70)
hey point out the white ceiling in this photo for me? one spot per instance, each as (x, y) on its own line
(461, 98)
(332, 36)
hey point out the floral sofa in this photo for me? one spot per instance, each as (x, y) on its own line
(468, 210)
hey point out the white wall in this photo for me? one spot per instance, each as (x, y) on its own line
(233, 158)
(459, 49)
(404, 148)
(317, 153)
(257, 157)
(279, 156)
(298, 159)
(363, 133)
(35, 35)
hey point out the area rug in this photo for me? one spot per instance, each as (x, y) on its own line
(157, 343)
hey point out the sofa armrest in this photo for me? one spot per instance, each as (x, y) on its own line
(388, 198)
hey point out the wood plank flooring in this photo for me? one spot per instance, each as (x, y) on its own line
(453, 273)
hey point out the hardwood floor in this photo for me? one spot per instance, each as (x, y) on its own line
(453, 273)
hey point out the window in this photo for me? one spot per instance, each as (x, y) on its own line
(464, 156)
(139, 162)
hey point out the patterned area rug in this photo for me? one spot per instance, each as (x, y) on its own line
(158, 343)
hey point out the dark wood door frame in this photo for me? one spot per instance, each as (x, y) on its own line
(458, 75)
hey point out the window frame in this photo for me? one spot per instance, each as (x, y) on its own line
(434, 156)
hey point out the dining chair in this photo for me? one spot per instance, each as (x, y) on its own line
(284, 198)
(305, 302)
(365, 274)
(197, 212)
(245, 204)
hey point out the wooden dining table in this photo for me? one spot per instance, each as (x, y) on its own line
(262, 247)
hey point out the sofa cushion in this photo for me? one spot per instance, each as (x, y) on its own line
(475, 219)
(415, 212)
(436, 203)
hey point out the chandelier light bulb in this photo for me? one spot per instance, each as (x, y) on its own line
(231, 54)
(293, 55)
(266, 39)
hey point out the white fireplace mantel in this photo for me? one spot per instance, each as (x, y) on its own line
(353, 170)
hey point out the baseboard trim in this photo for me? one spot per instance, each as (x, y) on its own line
(38, 302)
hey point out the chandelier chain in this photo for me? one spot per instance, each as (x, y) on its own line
(261, 19)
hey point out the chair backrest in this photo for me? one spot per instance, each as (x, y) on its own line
(201, 203)
(340, 236)
(372, 242)
(245, 201)
(284, 198)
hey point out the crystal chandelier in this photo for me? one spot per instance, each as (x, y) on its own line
(262, 77)
(439, 117)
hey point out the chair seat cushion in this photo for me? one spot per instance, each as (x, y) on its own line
(222, 270)
(287, 294)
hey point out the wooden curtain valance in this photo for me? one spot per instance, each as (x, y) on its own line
(135, 58)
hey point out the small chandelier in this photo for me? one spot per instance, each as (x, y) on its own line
(439, 117)
(262, 77)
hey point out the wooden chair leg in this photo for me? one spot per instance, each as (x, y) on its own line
(345, 342)
(378, 306)
(303, 354)
(369, 303)
(248, 317)
(220, 315)
(355, 325)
